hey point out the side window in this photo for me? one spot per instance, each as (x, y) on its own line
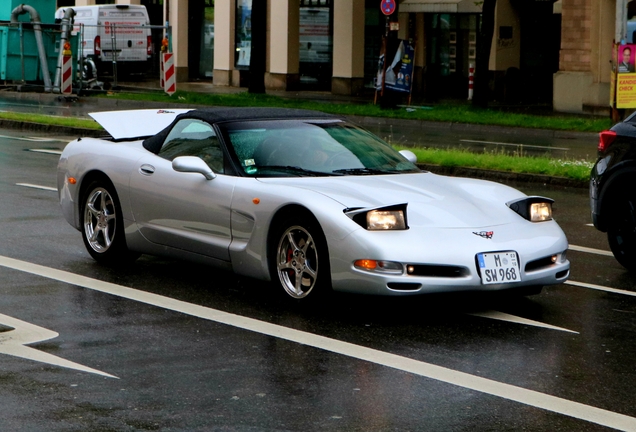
(192, 137)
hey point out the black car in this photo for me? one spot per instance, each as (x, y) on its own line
(613, 192)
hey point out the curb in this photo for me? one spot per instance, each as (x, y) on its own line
(39, 127)
(504, 176)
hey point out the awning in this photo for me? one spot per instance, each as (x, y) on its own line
(436, 6)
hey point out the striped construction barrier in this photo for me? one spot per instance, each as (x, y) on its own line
(66, 87)
(170, 82)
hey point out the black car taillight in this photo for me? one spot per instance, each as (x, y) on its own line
(606, 138)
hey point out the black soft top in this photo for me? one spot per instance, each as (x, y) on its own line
(223, 114)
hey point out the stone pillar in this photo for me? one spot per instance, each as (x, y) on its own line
(224, 25)
(348, 47)
(129, 2)
(178, 20)
(283, 45)
(582, 82)
(85, 2)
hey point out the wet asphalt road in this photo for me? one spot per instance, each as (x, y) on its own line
(167, 345)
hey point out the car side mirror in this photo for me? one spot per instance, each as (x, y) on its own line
(192, 164)
(409, 155)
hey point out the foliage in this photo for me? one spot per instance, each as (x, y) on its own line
(573, 169)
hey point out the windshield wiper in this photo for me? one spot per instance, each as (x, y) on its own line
(363, 171)
(294, 169)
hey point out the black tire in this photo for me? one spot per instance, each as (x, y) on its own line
(299, 260)
(102, 225)
(621, 232)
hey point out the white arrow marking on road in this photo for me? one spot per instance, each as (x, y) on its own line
(462, 379)
(29, 185)
(496, 315)
(13, 343)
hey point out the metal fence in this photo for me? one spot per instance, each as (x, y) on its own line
(112, 53)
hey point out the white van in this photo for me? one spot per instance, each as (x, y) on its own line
(120, 30)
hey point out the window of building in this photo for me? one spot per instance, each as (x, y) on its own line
(243, 36)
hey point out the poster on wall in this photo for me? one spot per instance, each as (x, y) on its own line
(624, 76)
(243, 32)
(395, 67)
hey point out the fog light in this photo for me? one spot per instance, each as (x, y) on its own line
(554, 258)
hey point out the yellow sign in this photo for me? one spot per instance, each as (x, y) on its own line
(626, 90)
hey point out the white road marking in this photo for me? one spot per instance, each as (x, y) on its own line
(47, 151)
(13, 343)
(496, 315)
(590, 250)
(29, 185)
(33, 139)
(514, 145)
(600, 288)
(427, 370)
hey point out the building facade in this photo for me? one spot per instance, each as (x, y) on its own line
(543, 51)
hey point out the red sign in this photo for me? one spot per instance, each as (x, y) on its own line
(387, 7)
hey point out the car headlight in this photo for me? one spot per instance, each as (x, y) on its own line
(380, 219)
(534, 209)
(385, 220)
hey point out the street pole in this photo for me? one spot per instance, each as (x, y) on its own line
(621, 22)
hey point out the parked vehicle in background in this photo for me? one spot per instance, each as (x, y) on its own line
(612, 193)
(114, 33)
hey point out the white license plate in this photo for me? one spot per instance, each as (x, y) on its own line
(499, 267)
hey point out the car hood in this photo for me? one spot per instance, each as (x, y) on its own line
(432, 200)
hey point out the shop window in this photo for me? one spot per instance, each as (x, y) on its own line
(315, 42)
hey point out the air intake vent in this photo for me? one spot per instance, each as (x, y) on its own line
(441, 271)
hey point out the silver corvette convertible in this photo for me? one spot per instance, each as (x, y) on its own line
(306, 200)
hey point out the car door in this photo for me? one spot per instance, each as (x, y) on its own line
(184, 210)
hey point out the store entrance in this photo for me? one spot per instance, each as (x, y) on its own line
(451, 47)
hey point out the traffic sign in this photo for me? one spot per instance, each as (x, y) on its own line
(387, 7)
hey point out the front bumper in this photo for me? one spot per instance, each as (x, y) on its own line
(446, 260)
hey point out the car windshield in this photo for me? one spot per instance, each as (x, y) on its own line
(282, 148)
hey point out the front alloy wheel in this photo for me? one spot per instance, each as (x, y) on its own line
(297, 261)
(100, 220)
(102, 225)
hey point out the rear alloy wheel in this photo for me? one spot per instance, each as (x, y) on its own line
(102, 225)
(621, 233)
(299, 260)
